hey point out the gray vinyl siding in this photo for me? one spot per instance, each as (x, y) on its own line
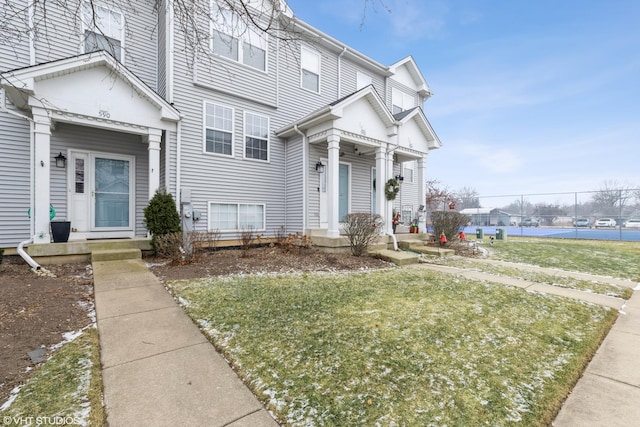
(294, 190)
(67, 136)
(63, 37)
(15, 174)
(349, 81)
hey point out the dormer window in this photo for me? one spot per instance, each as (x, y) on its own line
(103, 30)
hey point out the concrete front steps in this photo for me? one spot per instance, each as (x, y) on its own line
(115, 254)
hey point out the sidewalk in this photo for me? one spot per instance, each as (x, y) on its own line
(157, 367)
(608, 393)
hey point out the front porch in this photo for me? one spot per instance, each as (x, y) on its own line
(82, 250)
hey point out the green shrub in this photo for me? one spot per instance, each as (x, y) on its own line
(161, 215)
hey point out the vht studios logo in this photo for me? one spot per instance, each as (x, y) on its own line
(40, 421)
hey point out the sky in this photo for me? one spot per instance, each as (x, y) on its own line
(528, 97)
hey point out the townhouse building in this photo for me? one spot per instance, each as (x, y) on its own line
(103, 103)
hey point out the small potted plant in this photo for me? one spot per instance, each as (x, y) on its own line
(414, 227)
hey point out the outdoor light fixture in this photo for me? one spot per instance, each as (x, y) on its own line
(61, 161)
(399, 178)
(319, 167)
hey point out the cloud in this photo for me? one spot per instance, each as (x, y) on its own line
(493, 160)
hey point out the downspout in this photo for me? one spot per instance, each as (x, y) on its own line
(344, 50)
(26, 256)
(305, 172)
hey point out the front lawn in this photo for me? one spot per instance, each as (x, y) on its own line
(397, 347)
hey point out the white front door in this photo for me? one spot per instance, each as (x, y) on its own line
(101, 188)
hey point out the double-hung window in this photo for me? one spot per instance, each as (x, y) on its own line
(236, 216)
(233, 39)
(218, 129)
(256, 136)
(103, 30)
(310, 69)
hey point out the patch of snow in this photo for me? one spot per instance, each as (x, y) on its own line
(12, 396)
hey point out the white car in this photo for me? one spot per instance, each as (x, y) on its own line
(606, 222)
(632, 223)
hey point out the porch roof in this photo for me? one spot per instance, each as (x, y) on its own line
(92, 89)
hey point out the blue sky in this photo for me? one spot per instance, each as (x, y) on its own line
(529, 96)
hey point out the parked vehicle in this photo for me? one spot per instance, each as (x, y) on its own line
(632, 223)
(530, 222)
(582, 222)
(606, 222)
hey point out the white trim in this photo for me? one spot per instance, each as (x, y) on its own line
(205, 127)
(307, 51)
(244, 137)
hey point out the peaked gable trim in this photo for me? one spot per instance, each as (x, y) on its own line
(417, 115)
(410, 64)
(335, 111)
(21, 82)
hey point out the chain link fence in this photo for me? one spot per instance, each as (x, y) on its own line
(612, 214)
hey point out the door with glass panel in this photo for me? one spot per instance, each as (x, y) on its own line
(111, 190)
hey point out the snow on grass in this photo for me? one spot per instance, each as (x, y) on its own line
(398, 347)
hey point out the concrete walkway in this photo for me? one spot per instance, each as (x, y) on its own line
(608, 394)
(158, 368)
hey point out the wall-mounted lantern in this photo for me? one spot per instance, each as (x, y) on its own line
(399, 178)
(61, 160)
(319, 167)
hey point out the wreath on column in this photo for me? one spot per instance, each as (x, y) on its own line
(391, 189)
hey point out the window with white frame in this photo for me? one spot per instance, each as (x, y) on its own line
(310, 69)
(233, 39)
(407, 173)
(401, 101)
(103, 30)
(236, 216)
(218, 129)
(256, 136)
(362, 80)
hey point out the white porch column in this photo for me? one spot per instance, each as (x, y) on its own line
(155, 136)
(389, 204)
(333, 185)
(381, 180)
(422, 192)
(41, 157)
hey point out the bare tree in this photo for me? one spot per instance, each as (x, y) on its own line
(613, 197)
(438, 196)
(467, 197)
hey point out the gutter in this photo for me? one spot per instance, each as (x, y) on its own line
(26, 256)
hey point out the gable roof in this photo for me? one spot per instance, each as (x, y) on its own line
(417, 115)
(335, 109)
(21, 83)
(410, 65)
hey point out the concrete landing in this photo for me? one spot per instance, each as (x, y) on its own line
(432, 250)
